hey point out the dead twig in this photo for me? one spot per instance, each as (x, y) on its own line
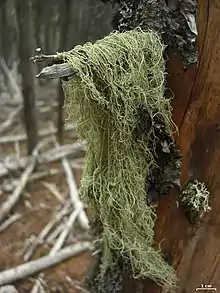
(73, 192)
(45, 173)
(56, 71)
(55, 233)
(77, 284)
(17, 149)
(40, 57)
(58, 245)
(9, 184)
(42, 236)
(39, 285)
(35, 266)
(74, 195)
(53, 190)
(9, 222)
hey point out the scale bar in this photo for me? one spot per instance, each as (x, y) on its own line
(206, 289)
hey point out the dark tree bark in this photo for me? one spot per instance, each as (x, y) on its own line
(26, 45)
(65, 16)
(6, 30)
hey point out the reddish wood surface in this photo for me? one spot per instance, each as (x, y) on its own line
(195, 249)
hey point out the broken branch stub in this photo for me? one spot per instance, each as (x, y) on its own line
(56, 71)
(55, 68)
(46, 58)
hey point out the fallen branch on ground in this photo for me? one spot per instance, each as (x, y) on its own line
(14, 197)
(74, 195)
(9, 184)
(51, 238)
(60, 241)
(9, 222)
(77, 284)
(50, 156)
(38, 286)
(17, 149)
(35, 266)
(8, 289)
(42, 236)
(53, 190)
(42, 133)
(73, 192)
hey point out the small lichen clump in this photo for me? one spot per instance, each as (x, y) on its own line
(195, 199)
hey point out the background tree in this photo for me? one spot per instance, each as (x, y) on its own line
(25, 45)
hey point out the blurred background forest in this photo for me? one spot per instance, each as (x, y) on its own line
(53, 26)
(40, 161)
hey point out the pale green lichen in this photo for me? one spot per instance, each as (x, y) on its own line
(195, 199)
(115, 77)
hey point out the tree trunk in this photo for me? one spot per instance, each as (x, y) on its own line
(26, 45)
(6, 46)
(64, 27)
(194, 249)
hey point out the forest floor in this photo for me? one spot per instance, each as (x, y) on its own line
(37, 204)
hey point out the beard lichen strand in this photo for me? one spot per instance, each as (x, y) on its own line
(122, 71)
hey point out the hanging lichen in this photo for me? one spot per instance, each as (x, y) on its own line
(117, 98)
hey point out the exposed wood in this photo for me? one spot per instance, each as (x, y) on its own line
(39, 57)
(195, 249)
(56, 71)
